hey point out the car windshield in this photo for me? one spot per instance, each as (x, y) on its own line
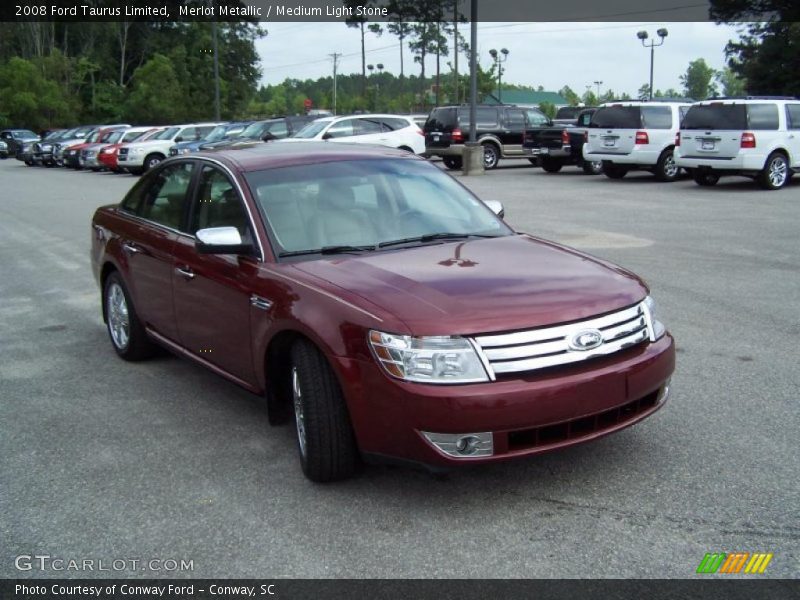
(311, 130)
(53, 135)
(217, 133)
(367, 205)
(112, 137)
(94, 137)
(129, 136)
(24, 134)
(167, 134)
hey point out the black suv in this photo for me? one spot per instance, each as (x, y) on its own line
(500, 130)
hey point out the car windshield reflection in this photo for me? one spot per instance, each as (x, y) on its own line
(367, 205)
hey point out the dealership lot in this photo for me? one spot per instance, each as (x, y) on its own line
(163, 460)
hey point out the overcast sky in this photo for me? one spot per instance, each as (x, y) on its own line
(547, 54)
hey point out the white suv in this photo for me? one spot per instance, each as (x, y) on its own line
(395, 131)
(635, 135)
(138, 157)
(757, 137)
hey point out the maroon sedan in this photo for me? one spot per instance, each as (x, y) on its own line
(370, 295)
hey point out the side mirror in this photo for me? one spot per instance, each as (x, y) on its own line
(327, 136)
(268, 137)
(495, 206)
(178, 139)
(221, 240)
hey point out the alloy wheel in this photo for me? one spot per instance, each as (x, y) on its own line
(299, 417)
(118, 317)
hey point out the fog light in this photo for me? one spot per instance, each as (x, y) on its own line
(663, 394)
(462, 445)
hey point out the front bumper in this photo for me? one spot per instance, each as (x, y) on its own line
(527, 414)
(128, 161)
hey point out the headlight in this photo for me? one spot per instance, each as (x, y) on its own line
(184, 150)
(107, 151)
(656, 327)
(136, 150)
(441, 359)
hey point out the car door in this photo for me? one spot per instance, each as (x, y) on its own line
(211, 292)
(160, 203)
(513, 131)
(793, 133)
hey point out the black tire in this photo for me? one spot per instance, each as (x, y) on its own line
(491, 156)
(592, 167)
(550, 164)
(325, 439)
(776, 172)
(453, 162)
(613, 171)
(29, 163)
(150, 161)
(705, 178)
(534, 161)
(666, 169)
(137, 346)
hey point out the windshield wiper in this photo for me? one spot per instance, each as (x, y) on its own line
(328, 250)
(432, 237)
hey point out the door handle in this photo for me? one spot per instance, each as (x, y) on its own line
(131, 248)
(185, 272)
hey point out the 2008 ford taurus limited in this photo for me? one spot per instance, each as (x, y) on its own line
(380, 305)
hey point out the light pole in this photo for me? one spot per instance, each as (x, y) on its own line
(643, 35)
(598, 84)
(499, 60)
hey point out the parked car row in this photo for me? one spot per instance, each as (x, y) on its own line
(754, 136)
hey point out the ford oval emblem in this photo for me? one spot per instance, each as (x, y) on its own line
(585, 340)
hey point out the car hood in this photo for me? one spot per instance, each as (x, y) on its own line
(481, 286)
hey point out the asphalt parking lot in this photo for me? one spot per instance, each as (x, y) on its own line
(103, 459)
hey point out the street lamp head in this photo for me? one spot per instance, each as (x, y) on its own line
(662, 32)
(504, 51)
(493, 53)
(642, 35)
(370, 67)
(380, 66)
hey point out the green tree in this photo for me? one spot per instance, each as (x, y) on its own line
(767, 55)
(698, 81)
(29, 99)
(156, 96)
(569, 95)
(732, 84)
(548, 108)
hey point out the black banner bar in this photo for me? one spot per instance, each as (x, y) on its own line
(732, 588)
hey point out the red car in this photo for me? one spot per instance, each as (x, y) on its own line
(370, 294)
(107, 156)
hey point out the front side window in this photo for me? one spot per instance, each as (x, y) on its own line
(167, 134)
(311, 130)
(163, 199)
(340, 129)
(515, 119)
(366, 203)
(277, 128)
(218, 204)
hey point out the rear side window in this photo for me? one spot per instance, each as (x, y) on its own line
(762, 116)
(441, 119)
(391, 124)
(164, 198)
(617, 117)
(484, 117)
(515, 119)
(657, 117)
(366, 126)
(716, 116)
(793, 115)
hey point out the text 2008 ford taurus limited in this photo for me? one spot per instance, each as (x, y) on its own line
(392, 312)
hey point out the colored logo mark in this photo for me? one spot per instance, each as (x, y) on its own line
(735, 562)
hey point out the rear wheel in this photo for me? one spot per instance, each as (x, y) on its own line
(491, 156)
(551, 165)
(324, 435)
(593, 167)
(666, 169)
(453, 162)
(775, 173)
(705, 178)
(127, 333)
(613, 171)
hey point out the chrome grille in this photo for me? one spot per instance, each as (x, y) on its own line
(123, 152)
(553, 346)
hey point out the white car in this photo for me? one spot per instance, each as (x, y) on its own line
(757, 137)
(138, 157)
(395, 131)
(635, 135)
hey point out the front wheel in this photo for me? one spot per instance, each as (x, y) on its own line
(151, 160)
(775, 173)
(491, 156)
(592, 167)
(613, 171)
(324, 435)
(551, 165)
(453, 162)
(127, 333)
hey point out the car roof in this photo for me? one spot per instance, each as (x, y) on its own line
(268, 156)
(635, 103)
